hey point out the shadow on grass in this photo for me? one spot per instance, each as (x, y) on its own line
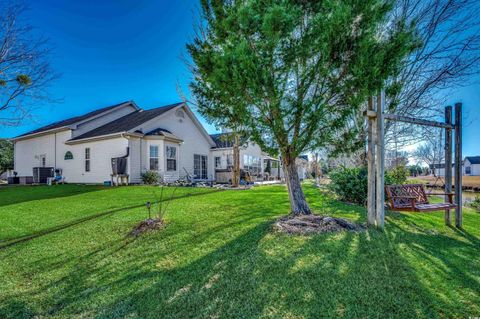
(256, 273)
(20, 194)
(8, 242)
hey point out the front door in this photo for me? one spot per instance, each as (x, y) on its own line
(200, 166)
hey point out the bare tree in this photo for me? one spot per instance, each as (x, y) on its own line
(25, 73)
(447, 57)
(431, 152)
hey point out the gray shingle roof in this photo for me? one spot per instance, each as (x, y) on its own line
(473, 159)
(73, 120)
(127, 122)
(224, 140)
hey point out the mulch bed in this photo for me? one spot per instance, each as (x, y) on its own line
(314, 224)
(147, 225)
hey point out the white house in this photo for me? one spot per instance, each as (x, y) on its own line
(168, 139)
(252, 159)
(470, 167)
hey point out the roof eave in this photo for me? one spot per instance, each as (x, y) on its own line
(42, 133)
(96, 138)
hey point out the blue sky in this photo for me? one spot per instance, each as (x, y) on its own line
(110, 51)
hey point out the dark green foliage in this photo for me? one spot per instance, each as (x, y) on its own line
(397, 175)
(6, 155)
(415, 170)
(294, 72)
(23, 79)
(350, 184)
(150, 177)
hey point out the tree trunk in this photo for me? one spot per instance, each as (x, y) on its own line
(236, 162)
(298, 204)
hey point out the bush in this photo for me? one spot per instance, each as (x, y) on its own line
(476, 203)
(396, 176)
(351, 184)
(150, 177)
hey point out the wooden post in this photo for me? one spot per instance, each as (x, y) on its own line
(448, 161)
(458, 164)
(371, 197)
(380, 187)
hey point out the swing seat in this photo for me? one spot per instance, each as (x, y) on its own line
(412, 198)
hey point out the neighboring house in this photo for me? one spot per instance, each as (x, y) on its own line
(302, 166)
(470, 167)
(252, 159)
(168, 139)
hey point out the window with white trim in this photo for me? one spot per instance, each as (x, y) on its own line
(153, 158)
(218, 162)
(87, 159)
(171, 155)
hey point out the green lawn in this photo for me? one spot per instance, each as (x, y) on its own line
(64, 252)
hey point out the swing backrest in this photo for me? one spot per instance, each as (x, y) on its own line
(399, 195)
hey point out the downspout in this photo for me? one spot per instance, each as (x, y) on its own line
(55, 151)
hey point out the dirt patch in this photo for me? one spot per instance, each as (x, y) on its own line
(147, 225)
(314, 224)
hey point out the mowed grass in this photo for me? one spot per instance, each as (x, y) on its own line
(65, 252)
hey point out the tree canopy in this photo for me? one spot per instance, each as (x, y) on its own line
(295, 73)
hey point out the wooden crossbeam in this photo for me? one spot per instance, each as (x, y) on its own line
(406, 119)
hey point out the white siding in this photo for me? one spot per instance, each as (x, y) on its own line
(102, 120)
(27, 152)
(101, 153)
(194, 142)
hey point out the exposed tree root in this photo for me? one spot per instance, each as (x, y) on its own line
(313, 224)
(147, 225)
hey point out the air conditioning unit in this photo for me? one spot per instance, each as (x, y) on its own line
(40, 174)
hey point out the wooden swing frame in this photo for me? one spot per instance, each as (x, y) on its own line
(410, 197)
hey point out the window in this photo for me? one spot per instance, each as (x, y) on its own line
(468, 170)
(43, 161)
(218, 162)
(87, 159)
(200, 166)
(153, 158)
(252, 164)
(274, 164)
(68, 155)
(171, 154)
(229, 160)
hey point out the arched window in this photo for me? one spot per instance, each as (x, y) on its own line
(68, 155)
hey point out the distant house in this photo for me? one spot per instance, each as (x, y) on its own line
(302, 166)
(252, 159)
(470, 167)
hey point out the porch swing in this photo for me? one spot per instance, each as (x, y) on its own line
(413, 197)
(410, 197)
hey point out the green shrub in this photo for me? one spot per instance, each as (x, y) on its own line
(351, 184)
(396, 176)
(150, 177)
(476, 203)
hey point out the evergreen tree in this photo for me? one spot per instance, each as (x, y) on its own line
(294, 73)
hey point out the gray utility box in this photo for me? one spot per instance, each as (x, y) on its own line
(40, 174)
